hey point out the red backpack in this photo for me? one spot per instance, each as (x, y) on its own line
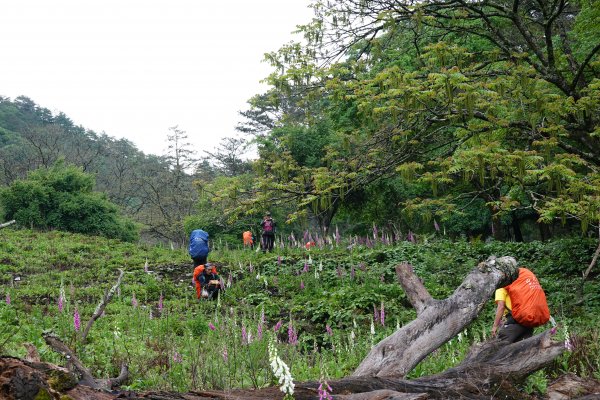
(529, 306)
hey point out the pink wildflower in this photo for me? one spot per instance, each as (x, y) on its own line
(325, 391)
(305, 267)
(375, 313)
(177, 357)
(160, 303)
(329, 330)
(277, 326)
(134, 301)
(211, 326)
(301, 285)
(382, 314)
(76, 320)
(8, 298)
(352, 272)
(244, 335)
(60, 304)
(225, 354)
(292, 335)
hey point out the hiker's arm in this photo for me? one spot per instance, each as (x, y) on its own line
(498, 317)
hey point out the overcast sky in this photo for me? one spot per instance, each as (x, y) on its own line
(134, 68)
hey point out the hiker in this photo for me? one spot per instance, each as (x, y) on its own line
(521, 306)
(207, 281)
(198, 248)
(248, 239)
(268, 233)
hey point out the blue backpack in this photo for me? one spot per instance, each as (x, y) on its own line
(198, 244)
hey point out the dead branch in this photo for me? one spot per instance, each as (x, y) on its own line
(4, 225)
(101, 306)
(87, 379)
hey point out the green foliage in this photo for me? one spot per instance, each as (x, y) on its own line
(342, 288)
(62, 198)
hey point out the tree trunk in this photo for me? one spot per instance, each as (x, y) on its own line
(437, 320)
(7, 224)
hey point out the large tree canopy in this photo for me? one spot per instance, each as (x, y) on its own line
(487, 100)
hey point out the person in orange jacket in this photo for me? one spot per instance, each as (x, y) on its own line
(248, 239)
(202, 276)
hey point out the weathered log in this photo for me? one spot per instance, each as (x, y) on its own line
(4, 225)
(77, 367)
(438, 321)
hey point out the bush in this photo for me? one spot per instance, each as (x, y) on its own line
(62, 198)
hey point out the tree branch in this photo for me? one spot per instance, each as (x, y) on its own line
(101, 306)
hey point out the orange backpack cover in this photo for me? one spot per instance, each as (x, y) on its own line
(529, 306)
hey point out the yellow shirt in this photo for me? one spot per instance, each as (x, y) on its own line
(502, 295)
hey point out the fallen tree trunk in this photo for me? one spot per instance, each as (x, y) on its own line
(7, 224)
(437, 321)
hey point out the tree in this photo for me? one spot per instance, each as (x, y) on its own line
(485, 101)
(166, 186)
(228, 156)
(62, 197)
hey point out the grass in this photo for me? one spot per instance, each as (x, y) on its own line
(185, 344)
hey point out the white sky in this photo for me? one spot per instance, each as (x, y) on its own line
(134, 68)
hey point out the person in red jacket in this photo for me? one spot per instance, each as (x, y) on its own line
(206, 276)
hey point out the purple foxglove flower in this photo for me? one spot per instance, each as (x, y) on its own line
(211, 326)
(134, 301)
(7, 298)
(292, 335)
(61, 304)
(279, 261)
(305, 236)
(305, 267)
(329, 330)
(251, 268)
(160, 303)
(382, 279)
(352, 272)
(277, 326)
(225, 354)
(436, 226)
(76, 320)
(382, 314)
(244, 335)
(325, 392)
(374, 232)
(177, 357)
(302, 285)
(337, 235)
(375, 313)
